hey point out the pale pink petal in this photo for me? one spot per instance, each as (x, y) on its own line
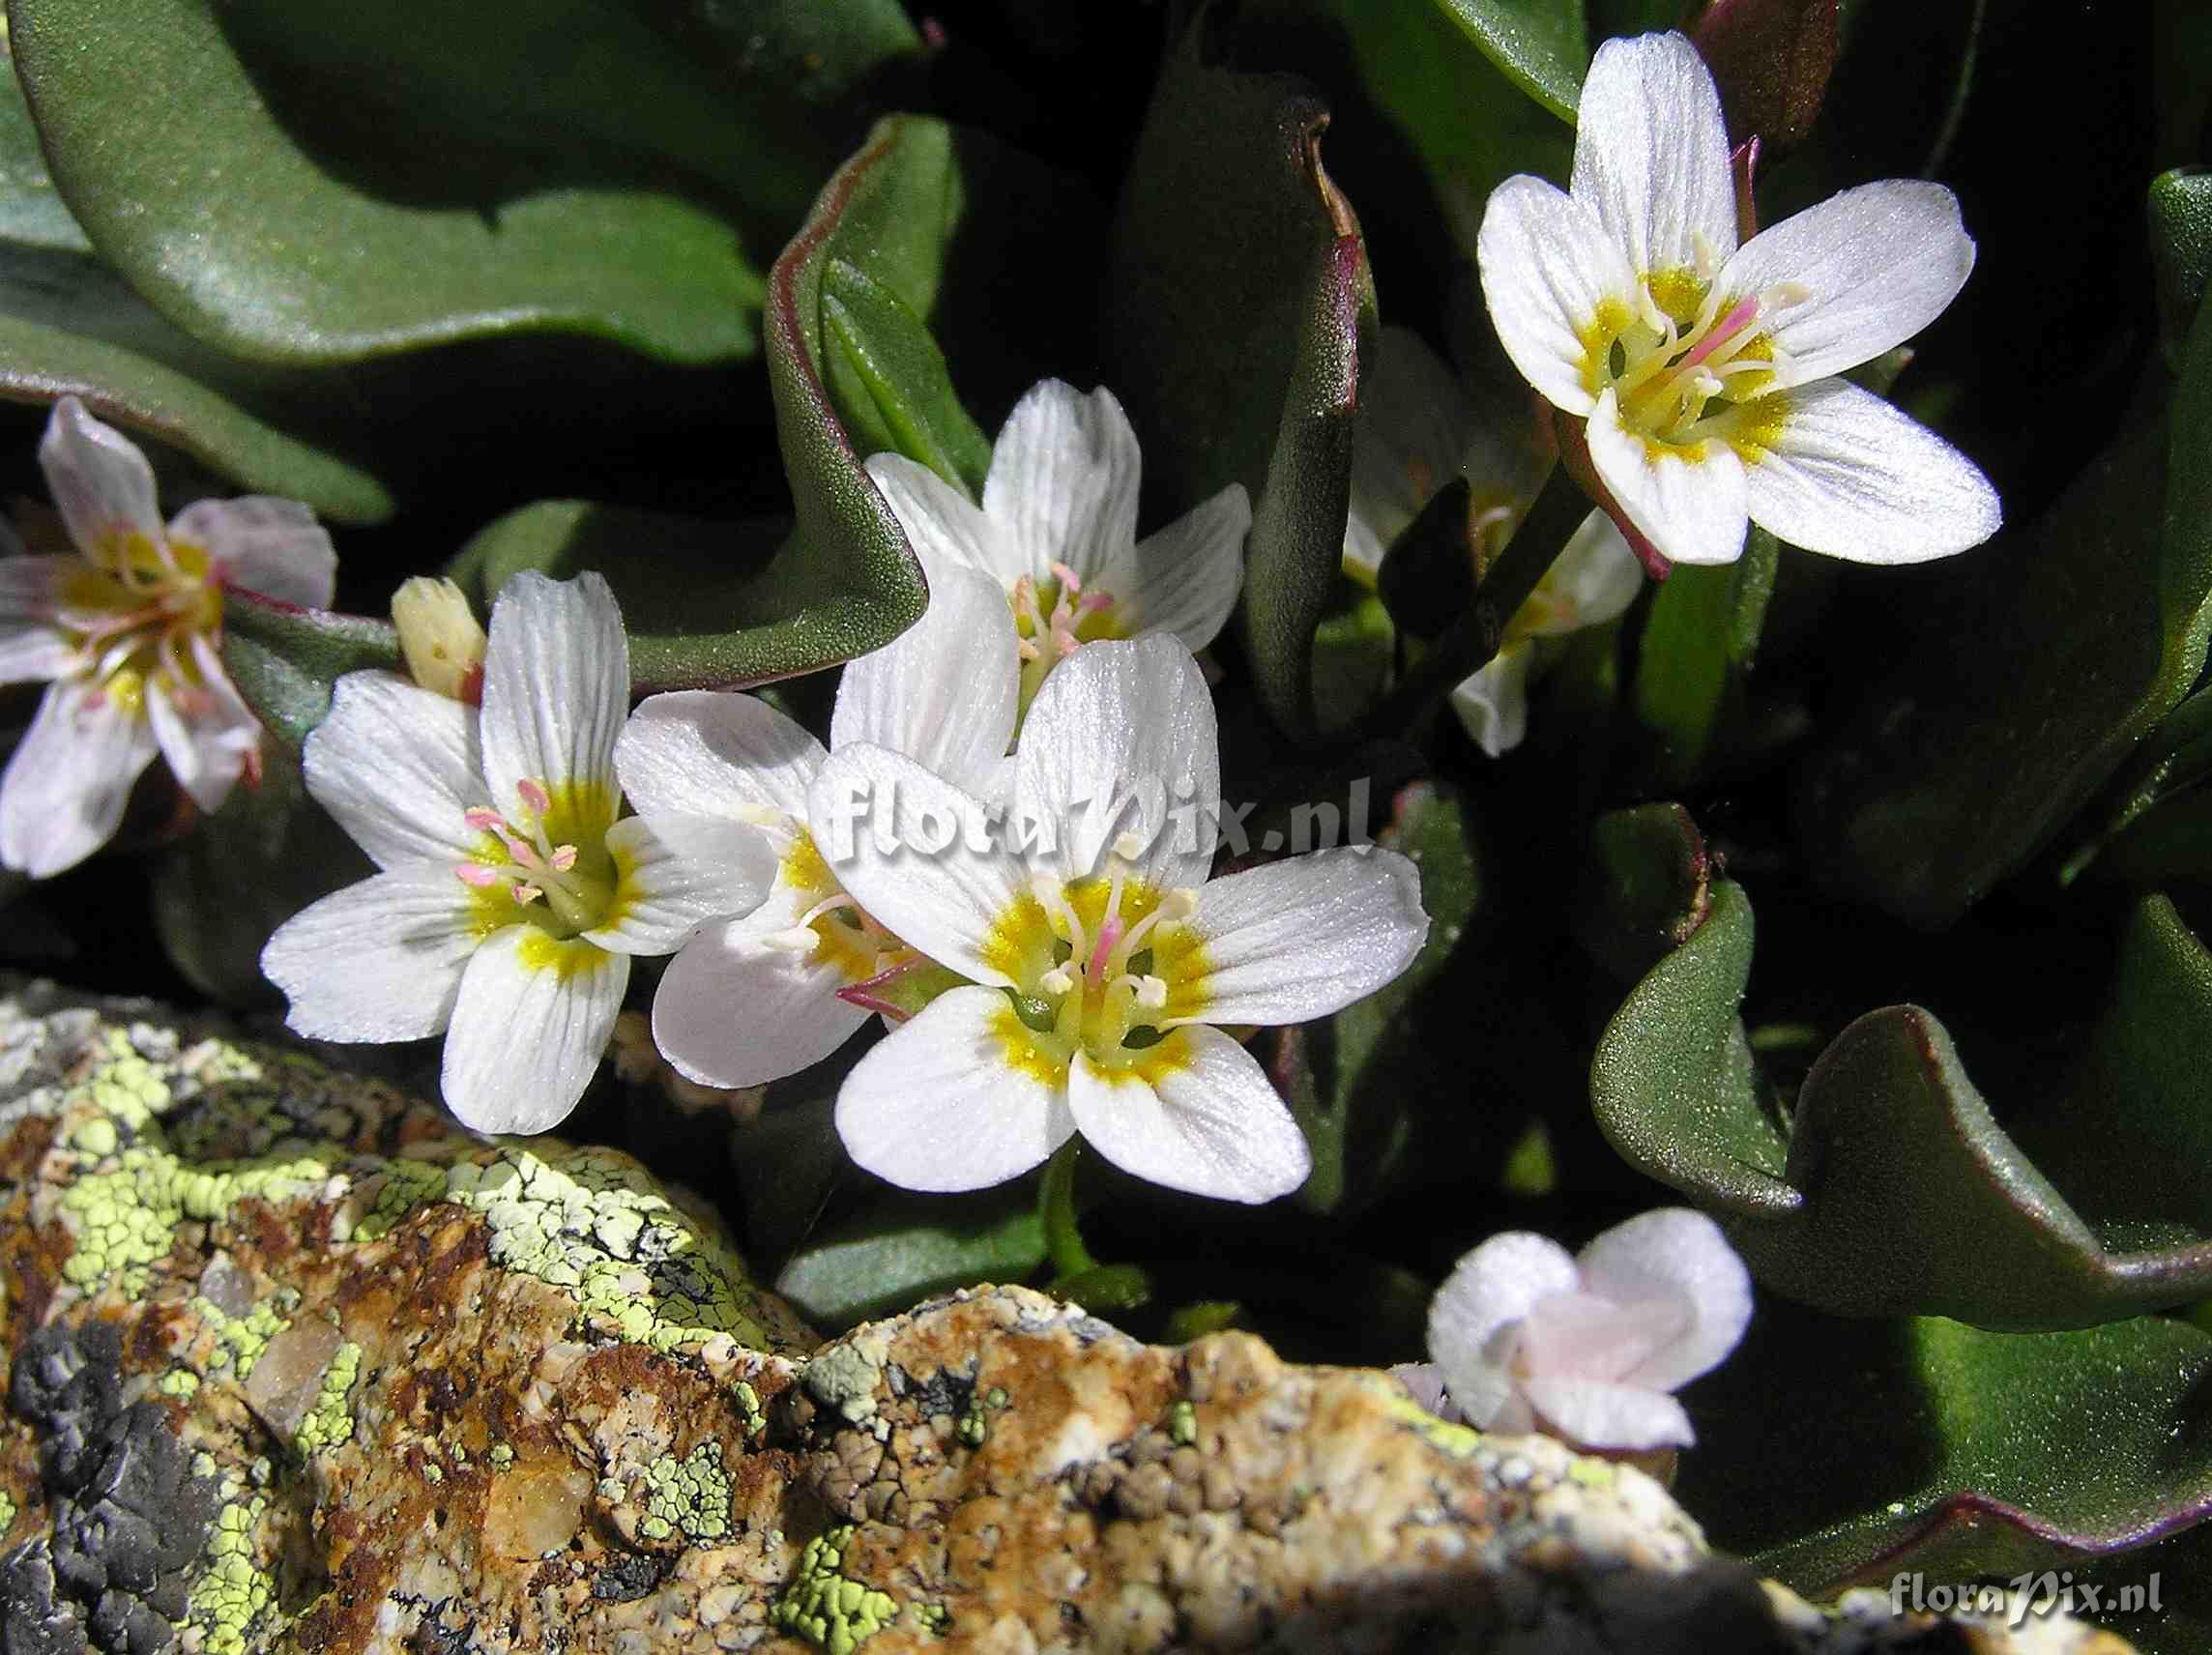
(1626, 1418)
(1198, 1115)
(1680, 1255)
(397, 766)
(69, 779)
(556, 686)
(677, 873)
(101, 483)
(30, 588)
(1548, 265)
(529, 1028)
(1424, 1383)
(1694, 510)
(1475, 1320)
(1579, 1335)
(208, 735)
(264, 544)
(380, 960)
(1183, 579)
(1063, 484)
(735, 1011)
(944, 692)
(706, 752)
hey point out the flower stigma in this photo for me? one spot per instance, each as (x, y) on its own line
(1054, 619)
(548, 865)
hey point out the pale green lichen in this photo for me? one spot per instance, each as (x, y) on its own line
(691, 1496)
(1458, 1440)
(750, 1413)
(330, 1421)
(233, 1593)
(934, 1617)
(402, 1187)
(180, 1382)
(433, 1474)
(7, 1512)
(822, 1606)
(973, 1427)
(241, 1340)
(1183, 1423)
(501, 1456)
(844, 1379)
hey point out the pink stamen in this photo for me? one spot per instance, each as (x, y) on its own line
(563, 858)
(528, 893)
(534, 795)
(869, 995)
(1109, 934)
(476, 875)
(1725, 328)
(1069, 583)
(1094, 601)
(482, 819)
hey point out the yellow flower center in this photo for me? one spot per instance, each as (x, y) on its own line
(1688, 366)
(832, 926)
(1053, 618)
(549, 865)
(133, 615)
(1098, 967)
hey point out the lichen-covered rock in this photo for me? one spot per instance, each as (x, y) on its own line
(297, 1365)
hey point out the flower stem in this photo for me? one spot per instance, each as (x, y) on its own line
(1056, 1206)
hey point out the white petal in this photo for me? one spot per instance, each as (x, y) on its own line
(1601, 1415)
(556, 686)
(678, 873)
(1680, 1254)
(1582, 1336)
(209, 747)
(946, 691)
(1595, 573)
(1185, 578)
(1493, 705)
(914, 851)
(1301, 938)
(1546, 265)
(380, 960)
(70, 777)
(30, 588)
(947, 530)
(1695, 511)
(1881, 262)
(264, 544)
(101, 483)
(398, 765)
(1063, 484)
(30, 652)
(733, 1011)
(1201, 1116)
(1852, 477)
(714, 752)
(940, 1104)
(1651, 154)
(1475, 1319)
(1122, 739)
(529, 1028)
(1424, 1383)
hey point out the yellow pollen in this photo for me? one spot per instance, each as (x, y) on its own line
(134, 616)
(1692, 370)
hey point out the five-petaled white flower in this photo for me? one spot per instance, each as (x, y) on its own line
(1102, 960)
(127, 631)
(766, 995)
(511, 898)
(1419, 428)
(1058, 529)
(1704, 369)
(1528, 1336)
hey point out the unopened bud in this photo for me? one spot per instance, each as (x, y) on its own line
(439, 635)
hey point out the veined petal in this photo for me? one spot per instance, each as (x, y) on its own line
(71, 776)
(914, 850)
(1878, 263)
(1850, 476)
(677, 873)
(1203, 1116)
(733, 1011)
(1681, 1255)
(943, 1104)
(556, 686)
(1475, 1319)
(380, 960)
(1595, 573)
(1651, 154)
(946, 692)
(264, 544)
(30, 588)
(1548, 266)
(207, 735)
(1063, 484)
(101, 483)
(30, 651)
(1302, 938)
(1602, 1416)
(714, 752)
(1184, 579)
(397, 766)
(1493, 703)
(947, 530)
(529, 1026)
(1694, 511)
(1122, 739)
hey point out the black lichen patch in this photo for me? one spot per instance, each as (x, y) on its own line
(34, 1619)
(627, 1577)
(130, 1517)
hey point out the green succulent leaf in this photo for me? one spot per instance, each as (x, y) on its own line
(2180, 207)
(889, 382)
(1539, 43)
(903, 1247)
(285, 660)
(1651, 886)
(1696, 649)
(1239, 296)
(1835, 1453)
(1894, 1190)
(1967, 760)
(258, 171)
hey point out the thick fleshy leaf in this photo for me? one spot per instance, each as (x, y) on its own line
(1237, 297)
(1539, 43)
(2180, 206)
(573, 169)
(899, 1249)
(285, 660)
(1698, 646)
(1651, 884)
(889, 382)
(1939, 1448)
(1964, 761)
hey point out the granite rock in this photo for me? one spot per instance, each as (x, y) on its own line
(298, 1365)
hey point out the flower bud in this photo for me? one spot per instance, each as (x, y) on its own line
(440, 637)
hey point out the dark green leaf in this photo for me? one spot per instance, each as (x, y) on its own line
(1238, 296)
(285, 660)
(785, 1160)
(2181, 249)
(1697, 646)
(1352, 661)
(1651, 886)
(259, 171)
(1835, 1453)
(903, 1247)
(889, 382)
(1427, 577)
(1540, 44)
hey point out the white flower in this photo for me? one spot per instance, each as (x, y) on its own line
(761, 997)
(1058, 529)
(1525, 1336)
(511, 898)
(1419, 428)
(128, 631)
(1705, 370)
(439, 638)
(1103, 962)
